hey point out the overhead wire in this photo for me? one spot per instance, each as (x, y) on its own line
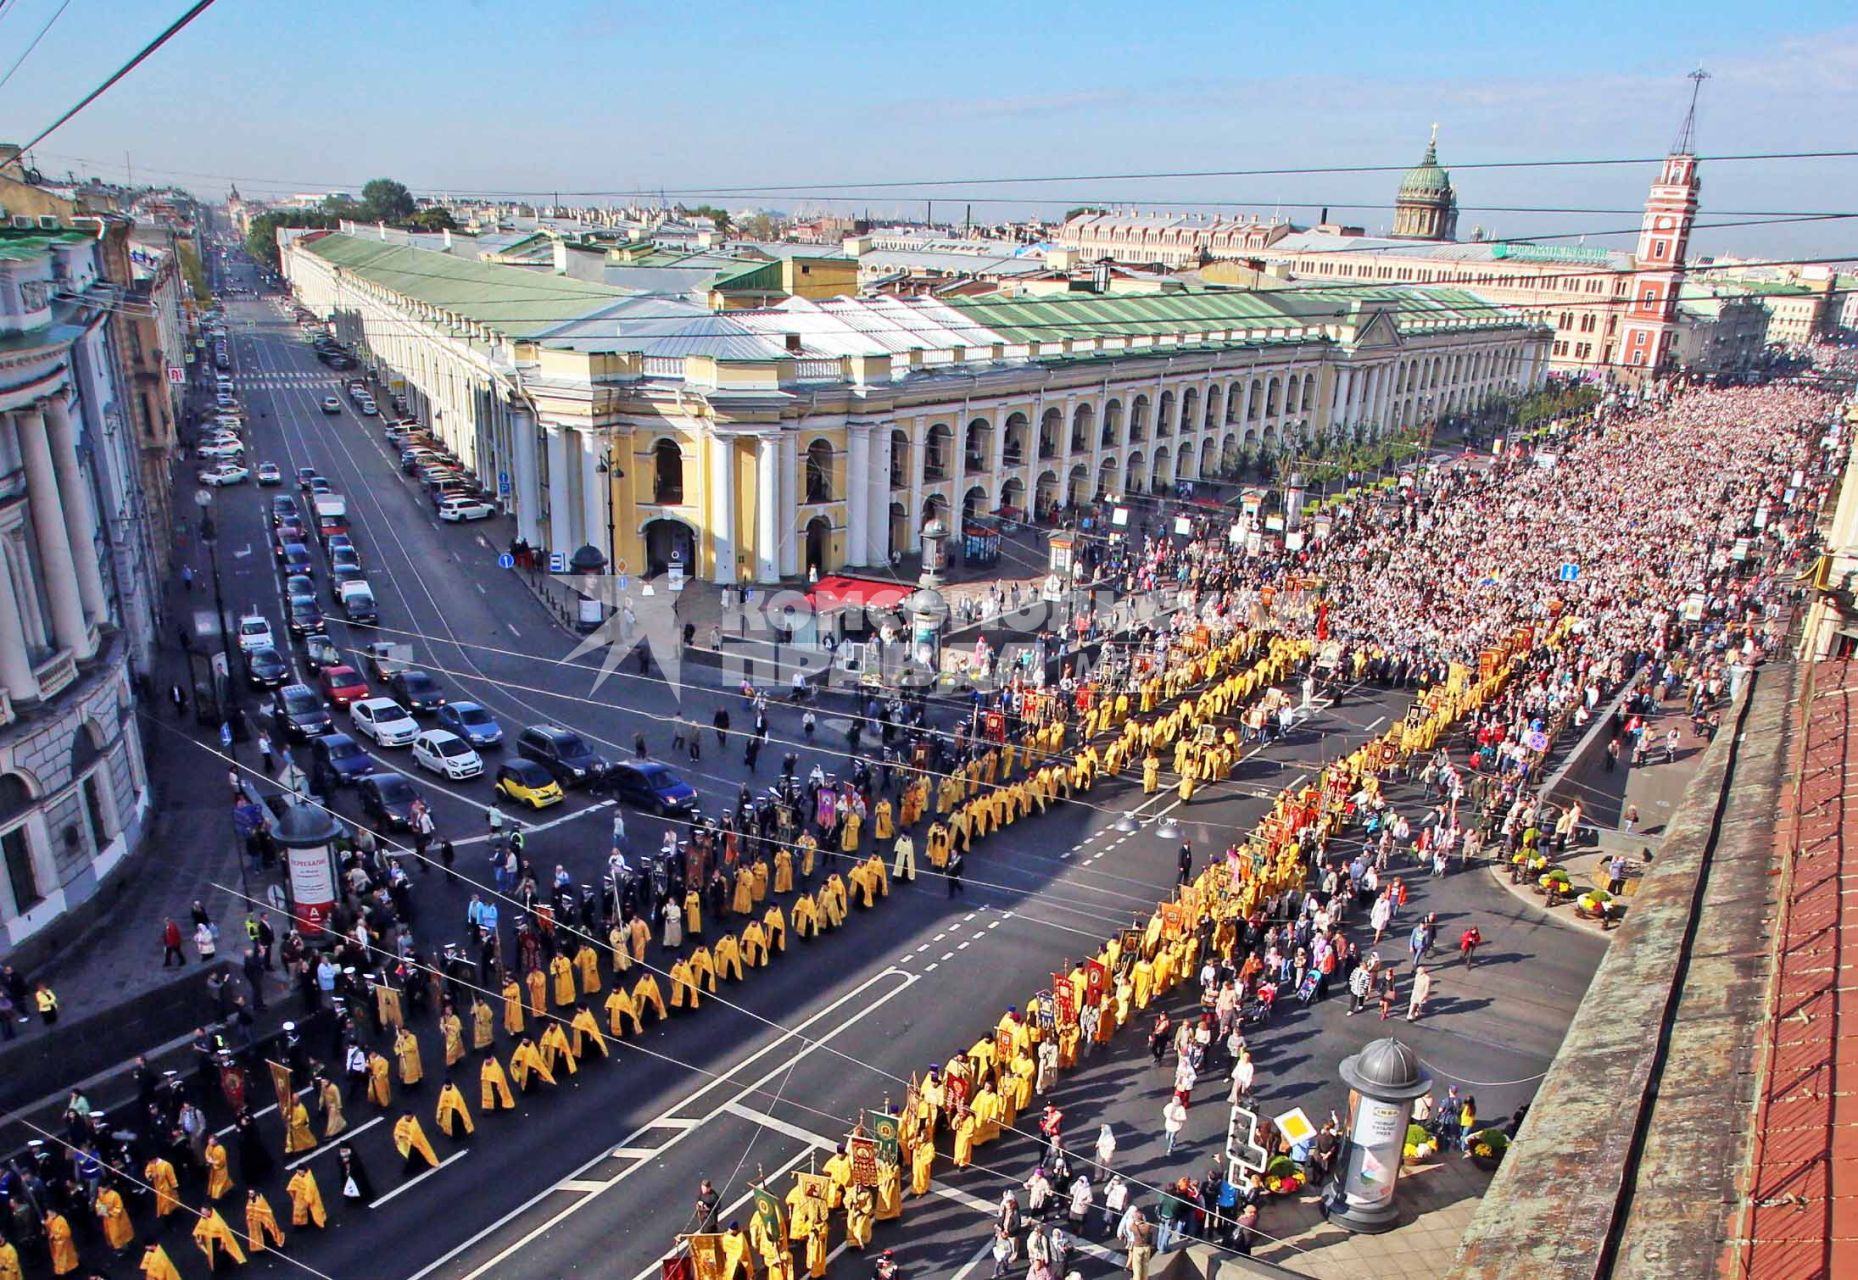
(27, 51)
(554, 1015)
(147, 51)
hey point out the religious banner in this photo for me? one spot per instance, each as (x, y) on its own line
(706, 1255)
(863, 1153)
(281, 1086)
(1056, 1008)
(887, 1132)
(1096, 978)
(957, 1083)
(387, 1004)
(1131, 944)
(1003, 1045)
(814, 1186)
(1173, 920)
(768, 1209)
(677, 1268)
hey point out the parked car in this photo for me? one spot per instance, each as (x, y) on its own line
(563, 752)
(471, 722)
(527, 782)
(384, 720)
(388, 798)
(652, 786)
(460, 509)
(224, 474)
(446, 754)
(337, 759)
(221, 450)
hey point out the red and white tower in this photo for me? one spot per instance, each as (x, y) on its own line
(1664, 235)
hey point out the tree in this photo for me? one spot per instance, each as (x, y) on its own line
(1081, 210)
(436, 218)
(196, 278)
(384, 200)
(719, 216)
(261, 240)
(343, 206)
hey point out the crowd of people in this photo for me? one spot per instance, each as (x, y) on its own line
(1455, 588)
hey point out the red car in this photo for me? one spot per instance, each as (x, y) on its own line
(343, 685)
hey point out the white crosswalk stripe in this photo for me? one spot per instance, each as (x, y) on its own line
(288, 379)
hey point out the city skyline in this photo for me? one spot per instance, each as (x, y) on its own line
(1082, 104)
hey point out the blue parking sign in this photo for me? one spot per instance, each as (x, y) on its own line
(1570, 571)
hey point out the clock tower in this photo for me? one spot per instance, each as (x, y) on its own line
(1658, 267)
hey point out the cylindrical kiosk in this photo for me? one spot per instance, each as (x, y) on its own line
(1383, 1080)
(307, 835)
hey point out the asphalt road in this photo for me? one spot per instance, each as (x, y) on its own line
(595, 1177)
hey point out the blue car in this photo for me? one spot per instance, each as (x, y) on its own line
(471, 722)
(652, 787)
(338, 760)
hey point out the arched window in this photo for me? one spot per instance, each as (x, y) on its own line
(937, 447)
(819, 472)
(16, 844)
(899, 459)
(979, 445)
(667, 473)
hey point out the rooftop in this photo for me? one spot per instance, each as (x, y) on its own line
(515, 302)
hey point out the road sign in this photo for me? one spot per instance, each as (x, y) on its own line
(506, 561)
(176, 374)
(503, 483)
(557, 562)
(1242, 1149)
(1569, 572)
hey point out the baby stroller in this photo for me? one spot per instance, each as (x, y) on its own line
(1306, 990)
(1258, 1008)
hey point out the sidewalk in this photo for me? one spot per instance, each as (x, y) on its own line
(1652, 790)
(101, 965)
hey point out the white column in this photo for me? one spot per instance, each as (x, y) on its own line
(80, 525)
(919, 471)
(767, 508)
(15, 662)
(593, 495)
(722, 508)
(877, 500)
(1338, 408)
(560, 487)
(787, 545)
(528, 490)
(857, 492)
(48, 521)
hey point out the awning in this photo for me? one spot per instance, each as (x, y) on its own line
(835, 591)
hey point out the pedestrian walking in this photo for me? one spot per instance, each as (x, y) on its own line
(1468, 943)
(254, 966)
(265, 756)
(1422, 990)
(206, 942)
(187, 577)
(171, 953)
(1173, 1120)
(178, 696)
(953, 872)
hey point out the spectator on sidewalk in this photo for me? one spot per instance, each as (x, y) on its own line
(206, 942)
(254, 967)
(1173, 1120)
(47, 1001)
(14, 984)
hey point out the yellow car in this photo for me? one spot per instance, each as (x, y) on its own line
(528, 782)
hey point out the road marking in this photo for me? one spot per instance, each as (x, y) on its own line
(767, 1121)
(938, 937)
(948, 955)
(993, 924)
(580, 1184)
(632, 1153)
(330, 1144)
(732, 1209)
(670, 1119)
(480, 588)
(932, 968)
(532, 827)
(964, 946)
(969, 916)
(968, 1268)
(410, 1183)
(513, 630)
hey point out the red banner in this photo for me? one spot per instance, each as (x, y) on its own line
(1096, 977)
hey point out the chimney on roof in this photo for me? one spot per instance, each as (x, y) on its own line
(793, 343)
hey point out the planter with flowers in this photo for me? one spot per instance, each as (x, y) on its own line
(1284, 1176)
(1486, 1148)
(1420, 1145)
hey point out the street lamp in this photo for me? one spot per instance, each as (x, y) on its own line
(209, 537)
(611, 471)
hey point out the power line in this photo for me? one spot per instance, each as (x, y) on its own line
(18, 62)
(174, 28)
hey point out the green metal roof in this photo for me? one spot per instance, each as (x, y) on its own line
(20, 244)
(1052, 319)
(515, 301)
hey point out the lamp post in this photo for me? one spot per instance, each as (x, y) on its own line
(607, 468)
(209, 536)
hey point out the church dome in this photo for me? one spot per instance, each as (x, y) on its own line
(1427, 178)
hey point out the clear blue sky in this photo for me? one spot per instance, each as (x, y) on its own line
(577, 96)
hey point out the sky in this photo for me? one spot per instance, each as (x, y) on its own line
(811, 105)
